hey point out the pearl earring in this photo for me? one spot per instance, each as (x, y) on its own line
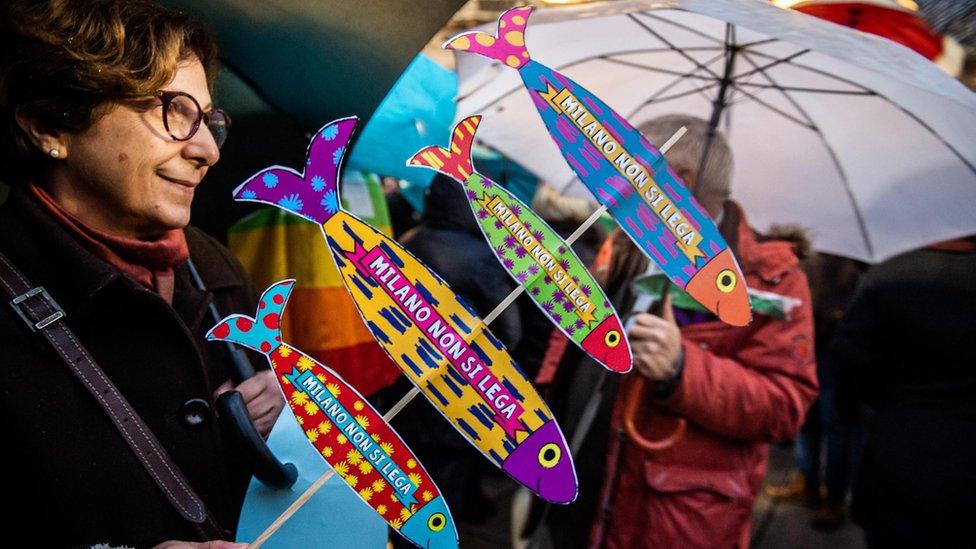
(55, 152)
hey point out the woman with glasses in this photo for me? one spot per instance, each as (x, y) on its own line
(107, 127)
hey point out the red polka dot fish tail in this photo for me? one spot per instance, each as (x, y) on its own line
(625, 173)
(347, 432)
(534, 254)
(432, 335)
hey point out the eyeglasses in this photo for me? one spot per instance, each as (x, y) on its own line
(182, 116)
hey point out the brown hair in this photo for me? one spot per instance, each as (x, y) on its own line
(63, 61)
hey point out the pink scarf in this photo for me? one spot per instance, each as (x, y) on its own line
(148, 262)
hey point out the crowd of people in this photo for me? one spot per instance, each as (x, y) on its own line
(107, 125)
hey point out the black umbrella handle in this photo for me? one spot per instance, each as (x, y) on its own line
(234, 418)
(240, 429)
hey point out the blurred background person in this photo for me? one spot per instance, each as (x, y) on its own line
(737, 388)
(402, 215)
(830, 439)
(904, 347)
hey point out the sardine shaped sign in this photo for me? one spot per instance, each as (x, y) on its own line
(436, 339)
(534, 254)
(625, 173)
(349, 434)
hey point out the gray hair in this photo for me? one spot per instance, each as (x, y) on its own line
(553, 206)
(715, 179)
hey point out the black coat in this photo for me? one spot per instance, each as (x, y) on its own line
(71, 478)
(905, 347)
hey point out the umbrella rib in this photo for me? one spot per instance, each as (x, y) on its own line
(674, 48)
(789, 61)
(809, 90)
(571, 64)
(850, 194)
(762, 42)
(678, 95)
(933, 132)
(769, 78)
(682, 26)
(666, 50)
(776, 61)
(874, 93)
(858, 215)
(658, 69)
(784, 114)
(667, 87)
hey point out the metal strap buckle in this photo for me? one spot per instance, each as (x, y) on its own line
(58, 313)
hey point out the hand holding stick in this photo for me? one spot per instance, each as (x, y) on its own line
(637, 393)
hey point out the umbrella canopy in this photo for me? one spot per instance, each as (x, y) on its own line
(417, 111)
(858, 138)
(317, 61)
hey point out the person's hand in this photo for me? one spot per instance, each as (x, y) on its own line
(655, 343)
(219, 544)
(263, 399)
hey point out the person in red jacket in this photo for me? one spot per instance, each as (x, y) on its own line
(736, 389)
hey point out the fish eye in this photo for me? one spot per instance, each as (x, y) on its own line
(612, 339)
(436, 522)
(726, 281)
(549, 455)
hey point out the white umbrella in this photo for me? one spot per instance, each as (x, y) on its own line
(858, 138)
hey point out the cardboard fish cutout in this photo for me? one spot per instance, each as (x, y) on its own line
(534, 254)
(346, 430)
(625, 173)
(434, 337)
(334, 513)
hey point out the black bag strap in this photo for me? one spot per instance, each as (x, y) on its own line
(43, 315)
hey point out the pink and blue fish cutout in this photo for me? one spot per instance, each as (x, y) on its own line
(436, 339)
(625, 173)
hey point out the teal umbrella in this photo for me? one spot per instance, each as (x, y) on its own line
(417, 112)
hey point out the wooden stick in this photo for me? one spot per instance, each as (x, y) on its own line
(291, 510)
(402, 403)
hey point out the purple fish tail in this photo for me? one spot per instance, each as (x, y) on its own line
(313, 194)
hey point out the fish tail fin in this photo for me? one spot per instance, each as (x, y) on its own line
(313, 194)
(508, 44)
(262, 333)
(455, 161)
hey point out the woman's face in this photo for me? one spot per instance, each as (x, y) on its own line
(126, 175)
